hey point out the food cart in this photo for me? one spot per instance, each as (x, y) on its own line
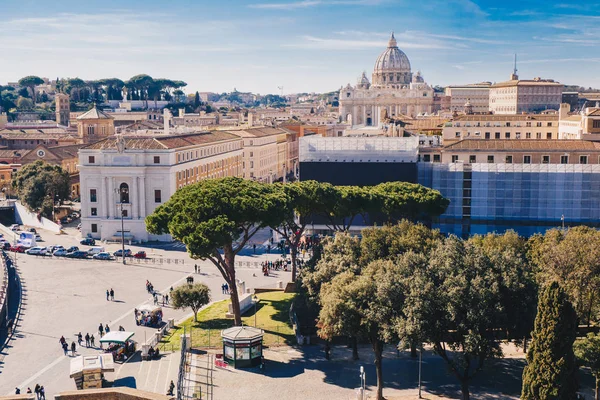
(119, 343)
(88, 371)
(148, 315)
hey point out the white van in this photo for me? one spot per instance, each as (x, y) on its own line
(95, 250)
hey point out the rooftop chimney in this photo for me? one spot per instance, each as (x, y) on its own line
(167, 121)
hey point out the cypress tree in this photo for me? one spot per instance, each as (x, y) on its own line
(551, 371)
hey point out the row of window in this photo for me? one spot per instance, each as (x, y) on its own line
(507, 135)
(193, 155)
(92, 159)
(498, 124)
(507, 159)
(191, 172)
(124, 195)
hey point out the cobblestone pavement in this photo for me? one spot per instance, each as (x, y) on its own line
(65, 296)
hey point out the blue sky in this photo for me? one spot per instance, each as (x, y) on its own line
(302, 45)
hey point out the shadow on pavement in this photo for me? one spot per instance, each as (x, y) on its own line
(128, 381)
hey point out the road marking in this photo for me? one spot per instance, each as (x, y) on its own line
(157, 375)
(59, 359)
(40, 373)
(171, 357)
(148, 377)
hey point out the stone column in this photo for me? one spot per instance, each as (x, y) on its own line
(365, 115)
(143, 197)
(111, 196)
(134, 198)
(354, 115)
(104, 197)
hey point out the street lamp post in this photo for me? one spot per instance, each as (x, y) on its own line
(123, 191)
(363, 379)
(562, 218)
(255, 298)
(420, 364)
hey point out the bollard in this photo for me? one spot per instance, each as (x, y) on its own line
(188, 342)
(171, 323)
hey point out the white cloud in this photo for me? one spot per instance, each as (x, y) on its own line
(313, 3)
(312, 42)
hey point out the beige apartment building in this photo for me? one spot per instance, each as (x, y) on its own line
(501, 127)
(270, 154)
(584, 125)
(514, 152)
(525, 96)
(478, 95)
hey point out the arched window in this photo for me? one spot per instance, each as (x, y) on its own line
(124, 191)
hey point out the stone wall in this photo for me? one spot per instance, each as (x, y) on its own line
(121, 393)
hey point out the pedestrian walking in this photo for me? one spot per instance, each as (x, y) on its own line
(167, 298)
(42, 393)
(171, 388)
(163, 301)
(37, 391)
(62, 340)
(155, 299)
(65, 347)
(92, 341)
(79, 339)
(254, 248)
(112, 294)
(223, 288)
(17, 391)
(106, 329)
(195, 268)
(73, 349)
(87, 340)
(107, 294)
(100, 330)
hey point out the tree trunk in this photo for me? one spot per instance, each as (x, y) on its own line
(235, 299)
(464, 387)
(378, 350)
(294, 256)
(195, 315)
(413, 349)
(598, 387)
(354, 348)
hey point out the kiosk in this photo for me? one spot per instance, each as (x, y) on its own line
(242, 346)
(119, 344)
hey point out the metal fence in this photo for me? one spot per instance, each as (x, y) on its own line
(181, 393)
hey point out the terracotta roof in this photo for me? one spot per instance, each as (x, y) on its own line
(523, 144)
(32, 136)
(163, 142)
(526, 83)
(11, 153)
(595, 113)
(70, 151)
(259, 132)
(94, 113)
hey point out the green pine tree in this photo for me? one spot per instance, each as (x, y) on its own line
(550, 373)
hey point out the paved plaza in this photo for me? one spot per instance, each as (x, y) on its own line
(62, 297)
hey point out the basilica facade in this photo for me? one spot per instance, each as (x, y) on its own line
(394, 91)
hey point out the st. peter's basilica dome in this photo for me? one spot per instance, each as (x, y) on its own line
(392, 66)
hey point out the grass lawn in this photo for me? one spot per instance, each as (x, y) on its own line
(272, 316)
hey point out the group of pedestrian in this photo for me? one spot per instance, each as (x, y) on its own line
(196, 269)
(225, 288)
(65, 346)
(149, 287)
(90, 340)
(103, 330)
(40, 392)
(110, 294)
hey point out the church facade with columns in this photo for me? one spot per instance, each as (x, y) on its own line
(392, 92)
(136, 174)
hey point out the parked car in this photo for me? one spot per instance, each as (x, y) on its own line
(140, 254)
(18, 248)
(102, 256)
(14, 227)
(38, 237)
(37, 251)
(88, 242)
(60, 253)
(119, 253)
(32, 230)
(72, 249)
(78, 254)
(52, 249)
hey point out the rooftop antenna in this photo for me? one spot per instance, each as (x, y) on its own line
(514, 76)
